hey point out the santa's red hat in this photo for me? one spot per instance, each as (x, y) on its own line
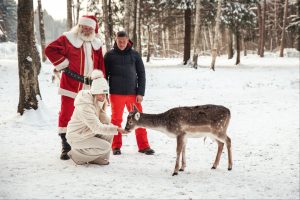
(89, 20)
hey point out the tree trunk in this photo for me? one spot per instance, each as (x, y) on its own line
(28, 79)
(106, 25)
(196, 34)
(276, 24)
(110, 23)
(42, 30)
(133, 23)
(127, 16)
(164, 53)
(283, 28)
(36, 58)
(263, 20)
(259, 28)
(217, 35)
(244, 43)
(77, 11)
(238, 49)
(230, 43)
(138, 26)
(69, 14)
(167, 41)
(148, 44)
(187, 33)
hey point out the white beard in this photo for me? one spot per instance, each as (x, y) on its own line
(89, 38)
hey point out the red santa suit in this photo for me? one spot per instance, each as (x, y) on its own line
(82, 57)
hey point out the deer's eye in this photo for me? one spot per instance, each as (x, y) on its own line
(130, 122)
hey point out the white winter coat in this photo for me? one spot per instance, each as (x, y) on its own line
(89, 118)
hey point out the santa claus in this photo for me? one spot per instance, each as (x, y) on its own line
(76, 53)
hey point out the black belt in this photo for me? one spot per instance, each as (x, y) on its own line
(83, 79)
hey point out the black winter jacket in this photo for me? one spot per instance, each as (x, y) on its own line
(125, 71)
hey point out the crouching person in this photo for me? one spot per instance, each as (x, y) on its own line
(89, 131)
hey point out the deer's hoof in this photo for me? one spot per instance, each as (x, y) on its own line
(181, 170)
(175, 173)
(213, 167)
(229, 168)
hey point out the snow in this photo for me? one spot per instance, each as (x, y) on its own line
(262, 94)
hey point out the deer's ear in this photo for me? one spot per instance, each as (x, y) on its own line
(137, 116)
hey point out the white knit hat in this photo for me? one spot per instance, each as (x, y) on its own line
(99, 84)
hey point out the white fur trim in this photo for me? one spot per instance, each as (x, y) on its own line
(62, 129)
(67, 93)
(87, 22)
(62, 65)
(88, 61)
(97, 74)
(77, 42)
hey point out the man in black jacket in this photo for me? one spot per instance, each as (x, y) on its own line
(126, 76)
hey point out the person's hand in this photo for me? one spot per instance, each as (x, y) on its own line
(122, 131)
(139, 98)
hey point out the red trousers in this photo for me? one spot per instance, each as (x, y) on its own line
(65, 113)
(118, 103)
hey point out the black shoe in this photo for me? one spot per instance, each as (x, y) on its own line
(147, 151)
(64, 154)
(117, 151)
(65, 147)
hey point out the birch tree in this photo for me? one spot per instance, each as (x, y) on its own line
(196, 34)
(283, 28)
(127, 6)
(106, 25)
(217, 35)
(42, 30)
(69, 14)
(138, 27)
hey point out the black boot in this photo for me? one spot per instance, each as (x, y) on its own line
(65, 147)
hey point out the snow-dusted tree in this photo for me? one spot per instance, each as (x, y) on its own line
(69, 14)
(42, 30)
(28, 75)
(106, 25)
(78, 8)
(196, 34)
(229, 43)
(187, 31)
(261, 13)
(138, 28)
(283, 28)
(237, 16)
(294, 26)
(217, 36)
(127, 12)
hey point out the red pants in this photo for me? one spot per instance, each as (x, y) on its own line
(118, 103)
(65, 114)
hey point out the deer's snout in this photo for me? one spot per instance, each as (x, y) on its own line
(127, 129)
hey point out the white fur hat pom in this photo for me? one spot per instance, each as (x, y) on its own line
(97, 74)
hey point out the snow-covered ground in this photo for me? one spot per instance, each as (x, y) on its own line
(262, 94)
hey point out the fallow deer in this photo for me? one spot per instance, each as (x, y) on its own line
(184, 122)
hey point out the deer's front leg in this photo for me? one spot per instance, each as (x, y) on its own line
(178, 152)
(183, 159)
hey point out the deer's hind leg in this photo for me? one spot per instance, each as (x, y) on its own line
(228, 145)
(180, 143)
(183, 159)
